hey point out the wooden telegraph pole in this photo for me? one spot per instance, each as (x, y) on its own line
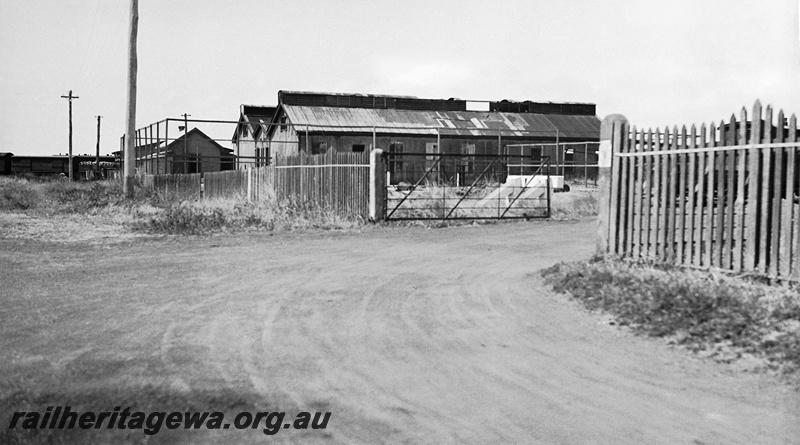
(70, 97)
(130, 136)
(97, 155)
(185, 137)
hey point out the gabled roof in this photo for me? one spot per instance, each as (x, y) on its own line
(171, 145)
(196, 131)
(428, 122)
(252, 116)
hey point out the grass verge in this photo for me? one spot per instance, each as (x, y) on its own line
(727, 319)
(226, 215)
(57, 196)
(31, 202)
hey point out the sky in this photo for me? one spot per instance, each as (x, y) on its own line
(660, 63)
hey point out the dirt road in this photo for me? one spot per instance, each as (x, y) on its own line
(407, 335)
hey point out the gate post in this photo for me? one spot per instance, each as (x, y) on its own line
(377, 185)
(612, 130)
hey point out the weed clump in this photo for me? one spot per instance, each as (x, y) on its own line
(17, 194)
(573, 205)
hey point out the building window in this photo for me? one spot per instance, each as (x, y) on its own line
(319, 148)
(283, 124)
(395, 157)
(431, 148)
(358, 148)
(468, 159)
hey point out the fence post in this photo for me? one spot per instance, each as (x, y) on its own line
(377, 185)
(249, 172)
(611, 133)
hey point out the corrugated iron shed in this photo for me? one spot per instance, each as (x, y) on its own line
(453, 123)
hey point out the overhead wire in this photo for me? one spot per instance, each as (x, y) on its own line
(89, 47)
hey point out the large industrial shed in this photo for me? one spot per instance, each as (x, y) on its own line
(322, 122)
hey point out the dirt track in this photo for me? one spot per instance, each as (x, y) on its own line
(407, 335)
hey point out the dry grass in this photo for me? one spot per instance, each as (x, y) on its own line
(56, 195)
(580, 202)
(85, 211)
(227, 215)
(728, 319)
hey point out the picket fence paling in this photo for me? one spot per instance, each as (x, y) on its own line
(724, 196)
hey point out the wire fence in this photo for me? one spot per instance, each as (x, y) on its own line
(450, 186)
(186, 146)
(327, 166)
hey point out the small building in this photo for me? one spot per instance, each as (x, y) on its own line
(253, 119)
(192, 152)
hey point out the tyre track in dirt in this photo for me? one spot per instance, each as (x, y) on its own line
(432, 338)
(414, 335)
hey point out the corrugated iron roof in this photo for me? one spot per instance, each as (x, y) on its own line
(368, 101)
(427, 122)
(318, 99)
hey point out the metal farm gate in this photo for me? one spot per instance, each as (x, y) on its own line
(442, 186)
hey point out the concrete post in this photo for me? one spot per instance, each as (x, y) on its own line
(612, 130)
(377, 185)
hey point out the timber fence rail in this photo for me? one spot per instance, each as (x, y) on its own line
(721, 196)
(225, 184)
(334, 181)
(337, 182)
(174, 187)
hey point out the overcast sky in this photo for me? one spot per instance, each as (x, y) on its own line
(657, 62)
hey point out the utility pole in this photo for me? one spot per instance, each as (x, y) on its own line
(70, 97)
(130, 133)
(185, 137)
(97, 157)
